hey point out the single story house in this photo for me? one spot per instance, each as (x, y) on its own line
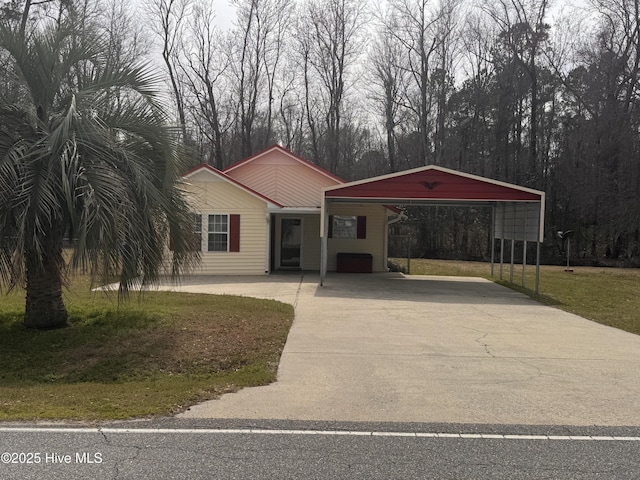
(277, 211)
(264, 214)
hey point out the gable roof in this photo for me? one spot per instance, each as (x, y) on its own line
(284, 177)
(433, 183)
(291, 155)
(214, 171)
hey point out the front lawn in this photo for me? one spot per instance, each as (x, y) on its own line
(610, 296)
(154, 355)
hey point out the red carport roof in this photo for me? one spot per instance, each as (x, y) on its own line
(432, 183)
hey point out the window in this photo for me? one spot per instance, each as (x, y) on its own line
(197, 232)
(347, 227)
(218, 236)
(194, 238)
(223, 233)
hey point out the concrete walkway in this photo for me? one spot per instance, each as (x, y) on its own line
(385, 347)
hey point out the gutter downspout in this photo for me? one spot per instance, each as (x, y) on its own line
(267, 262)
(391, 221)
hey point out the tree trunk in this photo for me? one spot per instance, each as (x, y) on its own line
(44, 305)
(25, 18)
(534, 171)
(391, 148)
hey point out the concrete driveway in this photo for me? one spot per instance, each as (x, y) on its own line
(385, 347)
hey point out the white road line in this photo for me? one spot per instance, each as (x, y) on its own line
(248, 431)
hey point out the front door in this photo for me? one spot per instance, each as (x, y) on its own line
(291, 243)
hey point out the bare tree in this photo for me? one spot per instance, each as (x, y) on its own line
(126, 40)
(447, 53)
(524, 32)
(168, 18)
(620, 34)
(25, 15)
(303, 43)
(388, 78)
(414, 24)
(262, 27)
(279, 15)
(478, 40)
(331, 50)
(204, 62)
(291, 109)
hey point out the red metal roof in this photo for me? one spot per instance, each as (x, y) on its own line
(433, 183)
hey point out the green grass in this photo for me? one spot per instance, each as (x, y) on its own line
(610, 296)
(154, 355)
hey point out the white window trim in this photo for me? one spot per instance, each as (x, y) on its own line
(228, 233)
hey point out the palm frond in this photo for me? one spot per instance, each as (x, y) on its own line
(85, 150)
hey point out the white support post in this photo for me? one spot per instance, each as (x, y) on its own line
(524, 247)
(513, 243)
(504, 214)
(501, 256)
(493, 237)
(267, 256)
(324, 232)
(541, 216)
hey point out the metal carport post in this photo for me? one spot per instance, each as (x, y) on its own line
(324, 242)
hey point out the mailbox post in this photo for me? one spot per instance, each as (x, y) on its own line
(566, 235)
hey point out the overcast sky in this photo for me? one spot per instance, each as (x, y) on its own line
(225, 13)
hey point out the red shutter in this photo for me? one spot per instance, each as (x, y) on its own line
(330, 232)
(362, 228)
(234, 233)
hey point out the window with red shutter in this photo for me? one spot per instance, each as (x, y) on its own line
(223, 233)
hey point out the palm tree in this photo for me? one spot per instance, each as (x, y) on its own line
(86, 155)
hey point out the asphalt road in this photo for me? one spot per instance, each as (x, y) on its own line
(188, 449)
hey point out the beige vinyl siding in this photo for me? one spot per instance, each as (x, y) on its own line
(373, 244)
(210, 195)
(283, 179)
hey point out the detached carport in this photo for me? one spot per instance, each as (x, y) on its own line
(517, 212)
